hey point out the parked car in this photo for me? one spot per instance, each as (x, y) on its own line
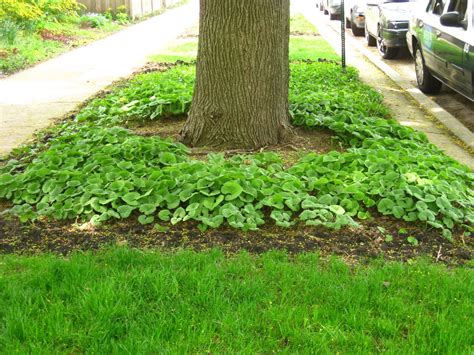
(333, 8)
(386, 25)
(319, 5)
(441, 39)
(354, 13)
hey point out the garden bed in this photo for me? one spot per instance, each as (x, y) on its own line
(351, 173)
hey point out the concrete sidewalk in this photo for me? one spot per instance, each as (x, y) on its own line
(31, 99)
(406, 108)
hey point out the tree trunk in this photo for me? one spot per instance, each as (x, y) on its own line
(241, 93)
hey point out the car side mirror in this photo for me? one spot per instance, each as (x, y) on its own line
(372, 3)
(451, 19)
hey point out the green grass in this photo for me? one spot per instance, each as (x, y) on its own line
(126, 301)
(299, 24)
(27, 50)
(301, 48)
(186, 51)
(310, 47)
(30, 48)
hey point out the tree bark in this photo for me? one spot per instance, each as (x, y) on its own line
(242, 75)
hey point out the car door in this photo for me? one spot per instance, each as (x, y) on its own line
(428, 28)
(372, 15)
(450, 46)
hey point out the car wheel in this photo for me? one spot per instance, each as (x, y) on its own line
(426, 82)
(384, 51)
(356, 31)
(368, 38)
(325, 11)
(332, 16)
(348, 23)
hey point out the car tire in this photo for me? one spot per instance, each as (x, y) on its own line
(332, 16)
(369, 38)
(356, 31)
(426, 82)
(325, 11)
(384, 51)
(348, 23)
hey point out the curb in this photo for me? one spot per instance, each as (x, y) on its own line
(439, 113)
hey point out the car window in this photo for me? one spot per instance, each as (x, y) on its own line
(436, 7)
(459, 6)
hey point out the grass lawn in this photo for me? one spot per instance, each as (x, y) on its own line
(128, 301)
(53, 39)
(305, 43)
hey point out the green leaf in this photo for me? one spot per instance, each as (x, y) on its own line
(164, 215)
(412, 240)
(385, 206)
(125, 211)
(131, 198)
(144, 219)
(337, 209)
(160, 229)
(232, 189)
(147, 208)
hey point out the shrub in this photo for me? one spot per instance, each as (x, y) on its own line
(9, 30)
(94, 20)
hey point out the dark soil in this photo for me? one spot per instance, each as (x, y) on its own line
(303, 141)
(353, 244)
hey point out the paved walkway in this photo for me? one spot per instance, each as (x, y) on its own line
(398, 96)
(31, 99)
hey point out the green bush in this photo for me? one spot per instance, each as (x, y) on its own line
(94, 20)
(16, 15)
(9, 30)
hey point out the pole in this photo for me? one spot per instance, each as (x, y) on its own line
(343, 37)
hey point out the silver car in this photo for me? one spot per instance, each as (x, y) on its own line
(354, 13)
(386, 25)
(333, 8)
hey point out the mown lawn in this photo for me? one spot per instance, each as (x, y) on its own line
(128, 301)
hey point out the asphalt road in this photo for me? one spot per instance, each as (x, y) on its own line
(457, 105)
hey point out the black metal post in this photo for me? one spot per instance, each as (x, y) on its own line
(343, 37)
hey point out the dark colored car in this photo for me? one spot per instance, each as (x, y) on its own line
(441, 39)
(386, 25)
(333, 8)
(354, 13)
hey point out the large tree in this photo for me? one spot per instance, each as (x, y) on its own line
(241, 93)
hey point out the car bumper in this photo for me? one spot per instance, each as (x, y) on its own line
(394, 38)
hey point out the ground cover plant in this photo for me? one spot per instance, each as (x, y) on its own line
(124, 300)
(96, 172)
(31, 31)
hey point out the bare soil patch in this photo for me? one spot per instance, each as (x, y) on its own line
(354, 244)
(303, 141)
